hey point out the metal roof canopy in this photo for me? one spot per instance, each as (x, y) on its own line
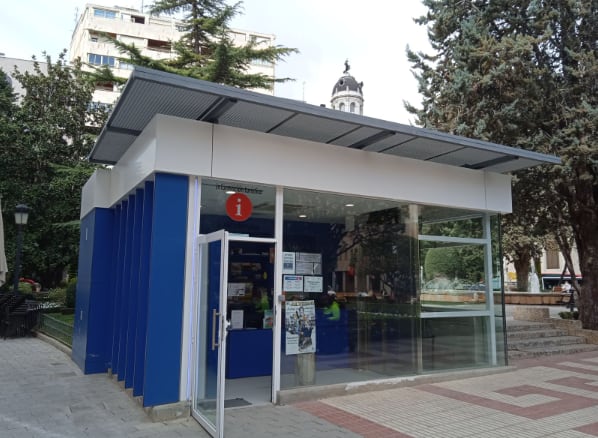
(150, 92)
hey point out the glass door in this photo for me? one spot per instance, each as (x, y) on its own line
(212, 327)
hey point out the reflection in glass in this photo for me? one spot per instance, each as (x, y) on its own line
(452, 277)
(365, 312)
(449, 343)
(207, 356)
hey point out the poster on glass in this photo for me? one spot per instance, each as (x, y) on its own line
(300, 322)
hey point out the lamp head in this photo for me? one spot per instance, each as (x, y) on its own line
(21, 214)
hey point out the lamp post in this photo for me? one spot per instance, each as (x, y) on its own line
(21, 216)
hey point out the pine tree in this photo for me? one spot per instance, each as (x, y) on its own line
(524, 73)
(206, 50)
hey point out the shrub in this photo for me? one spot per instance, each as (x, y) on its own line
(569, 315)
(71, 293)
(57, 295)
(25, 288)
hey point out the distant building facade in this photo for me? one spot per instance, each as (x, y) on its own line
(152, 34)
(23, 65)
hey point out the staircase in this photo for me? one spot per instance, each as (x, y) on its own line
(527, 339)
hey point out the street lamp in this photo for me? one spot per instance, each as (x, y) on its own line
(21, 216)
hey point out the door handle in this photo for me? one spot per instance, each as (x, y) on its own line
(215, 315)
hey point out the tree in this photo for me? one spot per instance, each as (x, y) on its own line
(44, 141)
(524, 73)
(206, 50)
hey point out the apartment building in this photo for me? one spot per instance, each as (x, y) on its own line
(153, 34)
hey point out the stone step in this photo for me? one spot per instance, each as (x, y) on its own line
(525, 344)
(518, 326)
(561, 349)
(532, 334)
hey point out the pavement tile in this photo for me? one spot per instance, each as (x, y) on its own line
(44, 394)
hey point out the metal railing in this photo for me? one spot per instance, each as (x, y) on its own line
(56, 329)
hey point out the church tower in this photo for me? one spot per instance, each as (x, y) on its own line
(347, 94)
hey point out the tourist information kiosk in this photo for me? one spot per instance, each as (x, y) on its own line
(240, 248)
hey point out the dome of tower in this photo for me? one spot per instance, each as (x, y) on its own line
(347, 83)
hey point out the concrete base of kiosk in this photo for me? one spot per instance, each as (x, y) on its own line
(305, 370)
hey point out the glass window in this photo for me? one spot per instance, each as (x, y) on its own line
(439, 221)
(341, 107)
(453, 343)
(104, 13)
(253, 215)
(366, 295)
(452, 277)
(349, 278)
(125, 65)
(352, 107)
(95, 59)
(552, 259)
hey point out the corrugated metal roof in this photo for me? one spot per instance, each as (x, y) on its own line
(150, 92)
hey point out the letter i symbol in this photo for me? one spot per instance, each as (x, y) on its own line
(239, 207)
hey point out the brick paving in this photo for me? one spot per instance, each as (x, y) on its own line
(543, 397)
(44, 394)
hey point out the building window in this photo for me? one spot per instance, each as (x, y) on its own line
(105, 86)
(552, 259)
(352, 107)
(137, 19)
(104, 13)
(341, 107)
(158, 45)
(106, 107)
(95, 59)
(125, 66)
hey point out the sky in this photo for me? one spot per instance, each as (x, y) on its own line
(372, 35)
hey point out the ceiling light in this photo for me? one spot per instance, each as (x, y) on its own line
(302, 216)
(349, 205)
(230, 192)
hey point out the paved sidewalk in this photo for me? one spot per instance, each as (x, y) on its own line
(543, 397)
(44, 394)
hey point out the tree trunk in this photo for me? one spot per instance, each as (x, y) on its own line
(588, 306)
(522, 268)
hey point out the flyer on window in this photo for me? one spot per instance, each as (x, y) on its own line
(292, 283)
(288, 263)
(300, 323)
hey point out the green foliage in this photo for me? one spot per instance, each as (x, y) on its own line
(44, 141)
(569, 315)
(70, 293)
(524, 73)
(57, 295)
(206, 51)
(462, 263)
(25, 288)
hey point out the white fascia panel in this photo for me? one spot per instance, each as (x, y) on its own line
(134, 167)
(498, 192)
(96, 192)
(264, 158)
(183, 146)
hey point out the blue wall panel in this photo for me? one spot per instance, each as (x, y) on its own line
(91, 340)
(125, 291)
(165, 293)
(144, 260)
(83, 290)
(133, 289)
(122, 216)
